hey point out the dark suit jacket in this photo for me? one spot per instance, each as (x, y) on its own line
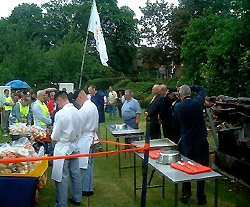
(166, 111)
(189, 115)
(153, 109)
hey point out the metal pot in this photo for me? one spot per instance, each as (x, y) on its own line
(121, 126)
(16, 136)
(168, 157)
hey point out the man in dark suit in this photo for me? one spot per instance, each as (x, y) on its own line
(194, 145)
(152, 112)
(165, 115)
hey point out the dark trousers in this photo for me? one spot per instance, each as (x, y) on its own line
(119, 107)
(131, 123)
(5, 121)
(155, 130)
(169, 132)
(199, 152)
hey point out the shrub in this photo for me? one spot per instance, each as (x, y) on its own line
(122, 84)
(104, 83)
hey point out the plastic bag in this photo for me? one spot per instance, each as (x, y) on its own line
(37, 133)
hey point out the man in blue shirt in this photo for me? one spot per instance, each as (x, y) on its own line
(7, 104)
(131, 111)
(188, 114)
(41, 116)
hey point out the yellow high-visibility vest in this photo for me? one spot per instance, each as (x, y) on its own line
(24, 110)
(8, 100)
(45, 111)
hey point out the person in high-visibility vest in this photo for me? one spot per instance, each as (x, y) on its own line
(21, 112)
(40, 111)
(7, 104)
(41, 116)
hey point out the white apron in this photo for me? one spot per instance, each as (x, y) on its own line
(85, 142)
(61, 149)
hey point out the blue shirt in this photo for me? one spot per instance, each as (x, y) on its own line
(189, 115)
(98, 100)
(38, 115)
(130, 109)
(3, 100)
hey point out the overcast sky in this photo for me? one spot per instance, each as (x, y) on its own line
(6, 6)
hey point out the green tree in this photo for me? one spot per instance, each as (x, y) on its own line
(64, 62)
(23, 57)
(214, 60)
(155, 30)
(154, 23)
(119, 27)
(21, 54)
(121, 34)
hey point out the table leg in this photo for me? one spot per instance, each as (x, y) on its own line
(106, 143)
(176, 194)
(119, 160)
(163, 186)
(151, 177)
(216, 192)
(134, 175)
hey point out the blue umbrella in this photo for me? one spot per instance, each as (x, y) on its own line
(17, 84)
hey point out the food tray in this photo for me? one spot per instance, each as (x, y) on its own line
(128, 132)
(165, 144)
(39, 169)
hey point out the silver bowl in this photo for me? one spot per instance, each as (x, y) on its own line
(168, 157)
(121, 126)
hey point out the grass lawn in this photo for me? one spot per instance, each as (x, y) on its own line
(110, 190)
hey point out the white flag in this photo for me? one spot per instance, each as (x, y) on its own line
(95, 27)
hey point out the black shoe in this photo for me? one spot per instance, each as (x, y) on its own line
(100, 150)
(202, 202)
(87, 193)
(74, 202)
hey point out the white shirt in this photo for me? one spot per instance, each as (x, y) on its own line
(112, 96)
(66, 132)
(89, 124)
(66, 128)
(89, 117)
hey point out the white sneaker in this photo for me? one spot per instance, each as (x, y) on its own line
(5, 135)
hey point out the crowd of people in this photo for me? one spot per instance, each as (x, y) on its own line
(75, 118)
(181, 117)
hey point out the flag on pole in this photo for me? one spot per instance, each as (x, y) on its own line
(95, 27)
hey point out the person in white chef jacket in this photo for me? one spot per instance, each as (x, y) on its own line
(89, 125)
(65, 135)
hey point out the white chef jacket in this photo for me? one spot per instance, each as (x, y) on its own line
(66, 132)
(89, 125)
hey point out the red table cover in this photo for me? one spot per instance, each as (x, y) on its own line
(198, 167)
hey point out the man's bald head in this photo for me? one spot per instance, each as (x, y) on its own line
(81, 98)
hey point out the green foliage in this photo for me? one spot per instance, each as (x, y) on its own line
(41, 48)
(214, 60)
(104, 83)
(122, 84)
(174, 82)
(121, 34)
(141, 90)
(154, 29)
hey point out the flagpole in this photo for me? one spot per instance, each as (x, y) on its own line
(84, 51)
(94, 26)
(83, 59)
